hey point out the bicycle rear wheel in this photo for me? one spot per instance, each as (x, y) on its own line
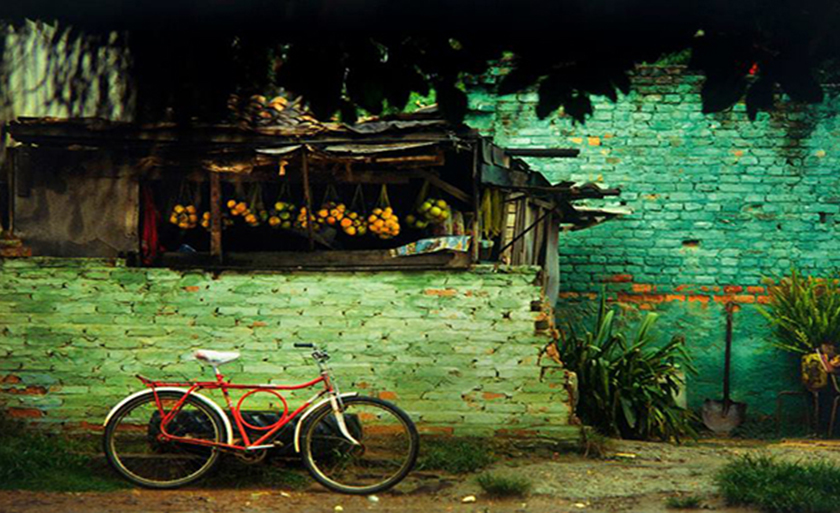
(386, 454)
(135, 450)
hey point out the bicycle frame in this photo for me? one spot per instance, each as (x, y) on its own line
(225, 387)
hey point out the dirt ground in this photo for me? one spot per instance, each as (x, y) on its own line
(638, 477)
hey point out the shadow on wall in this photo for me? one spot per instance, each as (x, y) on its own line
(759, 371)
(50, 71)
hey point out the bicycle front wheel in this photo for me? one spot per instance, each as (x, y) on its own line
(386, 453)
(135, 449)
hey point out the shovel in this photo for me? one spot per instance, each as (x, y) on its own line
(724, 416)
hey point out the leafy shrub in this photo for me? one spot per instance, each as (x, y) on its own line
(504, 486)
(804, 312)
(455, 455)
(686, 502)
(781, 487)
(628, 388)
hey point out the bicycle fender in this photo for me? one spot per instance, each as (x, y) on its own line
(309, 411)
(215, 407)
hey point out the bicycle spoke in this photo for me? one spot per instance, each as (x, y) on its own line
(385, 451)
(142, 454)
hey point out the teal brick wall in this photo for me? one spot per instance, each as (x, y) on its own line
(719, 203)
(457, 350)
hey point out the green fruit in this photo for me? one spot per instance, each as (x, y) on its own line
(444, 214)
(441, 203)
(286, 224)
(422, 224)
(435, 211)
(425, 206)
(410, 219)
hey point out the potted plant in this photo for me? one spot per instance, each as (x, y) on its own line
(804, 312)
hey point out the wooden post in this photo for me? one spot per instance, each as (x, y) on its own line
(215, 217)
(476, 224)
(307, 195)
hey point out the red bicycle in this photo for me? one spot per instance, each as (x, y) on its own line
(169, 435)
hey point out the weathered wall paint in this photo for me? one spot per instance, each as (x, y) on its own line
(30, 87)
(457, 350)
(719, 203)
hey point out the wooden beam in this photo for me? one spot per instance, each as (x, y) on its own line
(216, 217)
(446, 187)
(307, 195)
(476, 227)
(543, 152)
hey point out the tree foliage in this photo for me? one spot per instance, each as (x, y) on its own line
(188, 56)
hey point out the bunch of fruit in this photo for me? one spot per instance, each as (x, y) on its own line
(205, 220)
(184, 217)
(251, 217)
(434, 211)
(280, 111)
(353, 224)
(303, 220)
(282, 215)
(384, 223)
(331, 213)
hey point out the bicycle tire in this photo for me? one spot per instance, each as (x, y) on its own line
(119, 465)
(320, 420)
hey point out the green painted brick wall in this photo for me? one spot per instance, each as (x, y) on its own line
(719, 203)
(457, 350)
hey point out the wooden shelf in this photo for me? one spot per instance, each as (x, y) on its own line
(363, 260)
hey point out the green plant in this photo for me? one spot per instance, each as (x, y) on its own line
(40, 461)
(780, 486)
(628, 388)
(593, 444)
(686, 502)
(504, 486)
(455, 455)
(804, 312)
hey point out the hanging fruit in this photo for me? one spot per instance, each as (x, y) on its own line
(282, 215)
(331, 213)
(184, 217)
(355, 221)
(205, 220)
(383, 222)
(353, 224)
(435, 211)
(303, 220)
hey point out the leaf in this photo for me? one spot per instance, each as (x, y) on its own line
(759, 97)
(629, 415)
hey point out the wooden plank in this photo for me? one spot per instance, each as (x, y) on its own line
(307, 195)
(446, 187)
(371, 260)
(476, 221)
(216, 217)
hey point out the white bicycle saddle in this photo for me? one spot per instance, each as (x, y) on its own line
(215, 358)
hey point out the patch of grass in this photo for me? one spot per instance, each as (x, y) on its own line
(455, 455)
(780, 486)
(686, 502)
(504, 486)
(232, 473)
(593, 444)
(47, 462)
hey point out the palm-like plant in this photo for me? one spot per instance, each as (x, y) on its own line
(628, 388)
(804, 312)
